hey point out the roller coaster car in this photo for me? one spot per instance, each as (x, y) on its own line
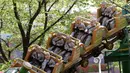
(58, 60)
(120, 23)
(97, 36)
(75, 55)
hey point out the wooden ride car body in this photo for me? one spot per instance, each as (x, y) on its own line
(97, 36)
(58, 59)
(18, 63)
(101, 32)
(120, 23)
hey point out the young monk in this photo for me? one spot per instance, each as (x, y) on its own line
(48, 63)
(89, 29)
(68, 47)
(79, 29)
(103, 9)
(107, 14)
(57, 44)
(110, 23)
(37, 56)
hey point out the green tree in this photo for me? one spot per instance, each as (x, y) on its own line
(24, 13)
(19, 17)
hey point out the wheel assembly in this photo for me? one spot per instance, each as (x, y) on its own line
(109, 45)
(84, 62)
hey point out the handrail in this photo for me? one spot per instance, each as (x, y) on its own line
(57, 56)
(18, 59)
(66, 36)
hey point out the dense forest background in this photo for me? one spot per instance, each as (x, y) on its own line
(29, 22)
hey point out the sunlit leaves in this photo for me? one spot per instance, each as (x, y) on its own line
(25, 7)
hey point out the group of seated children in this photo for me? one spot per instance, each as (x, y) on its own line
(60, 44)
(42, 60)
(107, 15)
(83, 32)
(63, 46)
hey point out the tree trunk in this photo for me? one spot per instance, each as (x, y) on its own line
(2, 52)
(9, 54)
(25, 46)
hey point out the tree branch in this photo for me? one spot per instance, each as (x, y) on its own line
(36, 13)
(1, 23)
(46, 15)
(17, 45)
(46, 20)
(46, 12)
(18, 19)
(4, 42)
(43, 33)
(3, 6)
(1, 20)
(2, 52)
(119, 5)
(40, 4)
(21, 43)
(52, 5)
(30, 13)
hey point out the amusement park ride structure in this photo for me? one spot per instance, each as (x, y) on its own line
(101, 38)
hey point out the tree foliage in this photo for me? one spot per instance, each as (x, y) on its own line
(31, 21)
(23, 14)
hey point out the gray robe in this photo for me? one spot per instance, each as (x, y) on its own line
(77, 33)
(110, 23)
(90, 30)
(48, 65)
(69, 45)
(58, 42)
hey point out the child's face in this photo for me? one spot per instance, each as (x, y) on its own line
(103, 5)
(47, 56)
(78, 21)
(114, 8)
(93, 22)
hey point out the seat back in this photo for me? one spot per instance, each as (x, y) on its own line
(120, 22)
(98, 12)
(98, 35)
(58, 59)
